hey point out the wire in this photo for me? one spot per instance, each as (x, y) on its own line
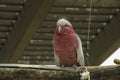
(89, 23)
(88, 34)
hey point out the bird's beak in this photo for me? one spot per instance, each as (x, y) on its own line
(59, 29)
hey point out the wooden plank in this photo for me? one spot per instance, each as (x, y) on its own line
(81, 11)
(36, 62)
(11, 8)
(93, 7)
(40, 48)
(5, 22)
(39, 53)
(45, 43)
(30, 19)
(12, 2)
(4, 29)
(106, 42)
(48, 36)
(75, 24)
(85, 4)
(79, 31)
(9, 15)
(117, 61)
(77, 17)
(47, 72)
(39, 58)
(43, 48)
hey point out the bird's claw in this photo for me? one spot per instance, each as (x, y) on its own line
(75, 66)
(62, 66)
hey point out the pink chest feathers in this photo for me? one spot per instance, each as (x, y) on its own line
(65, 46)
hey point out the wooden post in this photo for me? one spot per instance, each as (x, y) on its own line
(48, 72)
(117, 61)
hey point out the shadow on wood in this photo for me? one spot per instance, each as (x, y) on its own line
(52, 72)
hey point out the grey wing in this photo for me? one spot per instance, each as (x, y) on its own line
(56, 58)
(80, 55)
(57, 61)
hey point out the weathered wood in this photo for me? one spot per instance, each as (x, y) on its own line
(105, 45)
(96, 4)
(80, 11)
(51, 72)
(28, 21)
(117, 61)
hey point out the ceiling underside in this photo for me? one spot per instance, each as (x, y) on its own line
(37, 31)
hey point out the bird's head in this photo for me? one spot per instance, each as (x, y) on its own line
(61, 23)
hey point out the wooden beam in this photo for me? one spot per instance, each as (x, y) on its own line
(40, 48)
(11, 8)
(107, 5)
(39, 58)
(75, 24)
(13, 2)
(36, 62)
(83, 11)
(106, 42)
(33, 13)
(50, 72)
(39, 53)
(79, 31)
(49, 36)
(117, 61)
(97, 20)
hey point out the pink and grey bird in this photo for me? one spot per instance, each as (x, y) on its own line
(67, 45)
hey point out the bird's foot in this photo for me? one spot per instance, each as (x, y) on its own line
(62, 66)
(74, 66)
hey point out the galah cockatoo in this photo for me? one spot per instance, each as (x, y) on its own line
(67, 45)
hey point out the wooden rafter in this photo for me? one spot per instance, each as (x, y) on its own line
(106, 42)
(30, 19)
